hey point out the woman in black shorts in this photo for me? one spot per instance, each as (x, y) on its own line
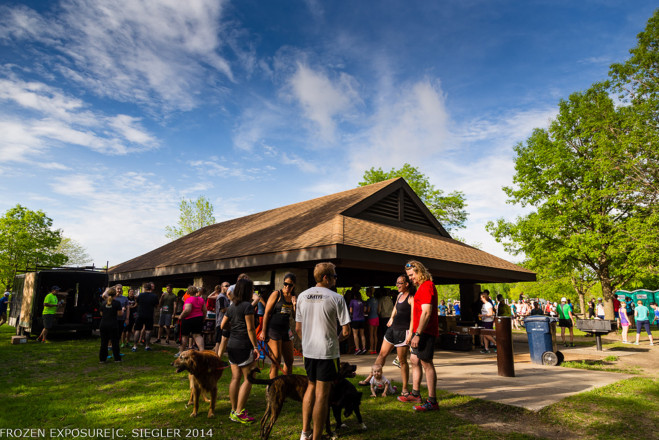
(276, 326)
(399, 332)
(241, 348)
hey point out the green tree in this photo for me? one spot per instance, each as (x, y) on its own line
(26, 239)
(448, 209)
(193, 215)
(76, 254)
(584, 218)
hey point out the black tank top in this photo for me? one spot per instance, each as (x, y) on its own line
(281, 313)
(403, 314)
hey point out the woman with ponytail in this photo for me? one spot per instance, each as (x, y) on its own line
(110, 311)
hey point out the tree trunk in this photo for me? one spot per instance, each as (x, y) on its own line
(607, 297)
(582, 302)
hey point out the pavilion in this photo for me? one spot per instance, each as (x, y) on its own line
(369, 233)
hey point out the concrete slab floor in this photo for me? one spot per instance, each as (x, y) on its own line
(473, 374)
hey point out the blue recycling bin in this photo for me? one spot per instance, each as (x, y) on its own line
(541, 332)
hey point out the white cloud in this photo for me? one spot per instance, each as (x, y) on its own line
(134, 51)
(410, 124)
(322, 100)
(36, 117)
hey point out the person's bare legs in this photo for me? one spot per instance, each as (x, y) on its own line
(431, 377)
(234, 386)
(416, 372)
(320, 408)
(199, 340)
(275, 352)
(287, 354)
(308, 405)
(355, 336)
(245, 388)
(404, 367)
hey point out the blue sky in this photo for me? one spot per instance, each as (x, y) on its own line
(112, 111)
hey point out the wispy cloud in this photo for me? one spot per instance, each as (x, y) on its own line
(409, 124)
(36, 117)
(153, 53)
(322, 99)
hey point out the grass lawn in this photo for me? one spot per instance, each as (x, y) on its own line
(61, 385)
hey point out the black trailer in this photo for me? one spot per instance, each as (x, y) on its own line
(80, 290)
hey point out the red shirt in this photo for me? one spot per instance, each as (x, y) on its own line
(426, 294)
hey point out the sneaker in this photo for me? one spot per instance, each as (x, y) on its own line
(426, 407)
(484, 351)
(133, 349)
(241, 417)
(409, 398)
(396, 362)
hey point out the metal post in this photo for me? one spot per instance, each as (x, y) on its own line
(505, 358)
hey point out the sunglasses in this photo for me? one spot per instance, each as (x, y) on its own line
(289, 284)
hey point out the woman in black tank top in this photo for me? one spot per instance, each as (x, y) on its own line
(399, 332)
(276, 326)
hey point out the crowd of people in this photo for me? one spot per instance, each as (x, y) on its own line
(404, 321)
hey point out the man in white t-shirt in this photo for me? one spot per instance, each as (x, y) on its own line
(318, 311)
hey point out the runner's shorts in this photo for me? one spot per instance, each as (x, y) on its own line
(324, 370)
(395, 337)
(426, 348)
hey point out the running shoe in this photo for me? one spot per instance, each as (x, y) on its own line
(241, 417)
(409, 398)
(426, 407)
(396, 362)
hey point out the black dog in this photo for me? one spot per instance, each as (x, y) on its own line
(344, 396)
(293, 387)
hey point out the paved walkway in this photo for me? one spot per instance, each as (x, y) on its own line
(533, 387)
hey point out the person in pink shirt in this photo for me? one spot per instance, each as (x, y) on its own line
(192, 319)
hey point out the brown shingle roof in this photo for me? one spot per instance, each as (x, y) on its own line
(311, 224)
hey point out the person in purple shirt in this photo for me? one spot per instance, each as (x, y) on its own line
(357, 321)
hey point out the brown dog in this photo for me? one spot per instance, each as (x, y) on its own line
(205, 369)
(282, 387)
